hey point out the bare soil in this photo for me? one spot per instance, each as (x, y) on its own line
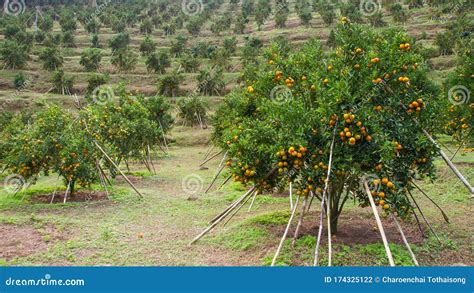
(79, 196)
(355, 229)
(22, 241)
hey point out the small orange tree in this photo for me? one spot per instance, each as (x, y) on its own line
(459, 89)
(367, 93)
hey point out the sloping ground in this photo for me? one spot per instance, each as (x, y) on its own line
(156, 230)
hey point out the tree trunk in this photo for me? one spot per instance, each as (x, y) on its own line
(337, 199)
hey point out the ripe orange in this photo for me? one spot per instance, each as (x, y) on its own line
(250, 90)
(352, 141)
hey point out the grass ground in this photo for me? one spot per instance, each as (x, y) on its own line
(156, 230)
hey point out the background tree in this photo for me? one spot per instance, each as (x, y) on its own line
(62, 83)
(90, 59)
(68, 40)
(168, 85)
(95, 43)
(211, 82)
(119, 41)
(124, 59)
(146, 26)
(178, 46)
(147, 46)
(158, 62)
(52, 58)
(193, 111)
(13, 55)
(189, 63)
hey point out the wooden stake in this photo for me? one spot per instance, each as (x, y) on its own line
(67, 190)
(102, 180)
(300, 220)
(326, 184)
(419, 224)
(446, 219)
(320, 233)
(379, 224)
(230, 206)
(450, 164)
(291, 196)
(55, 189)
(164, 136)
(209, 150)
(213, 156)
(149, 158)
(286, 232)
(219, 170)
(237, 210)
(424, 218)
(118, 169)
(218, 220)
(413, 257)
(224, 183)
(253, 200)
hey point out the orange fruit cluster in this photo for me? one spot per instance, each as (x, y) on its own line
(417, 106)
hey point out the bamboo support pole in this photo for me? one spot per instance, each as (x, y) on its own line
(282, 241)
(413, 257)
(300, 220)
(446, 219)
(219, 170)
(118, 169)
(379, 224)
(423, 216)
(324, 196)
(253, 200)
(214, 224)
(212, 157)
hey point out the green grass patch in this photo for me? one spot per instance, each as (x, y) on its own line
(242, 238)
(276, 218)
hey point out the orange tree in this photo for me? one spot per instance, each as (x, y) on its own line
(367, 92)
(459, 89)
(53, 142)
(128, 127)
